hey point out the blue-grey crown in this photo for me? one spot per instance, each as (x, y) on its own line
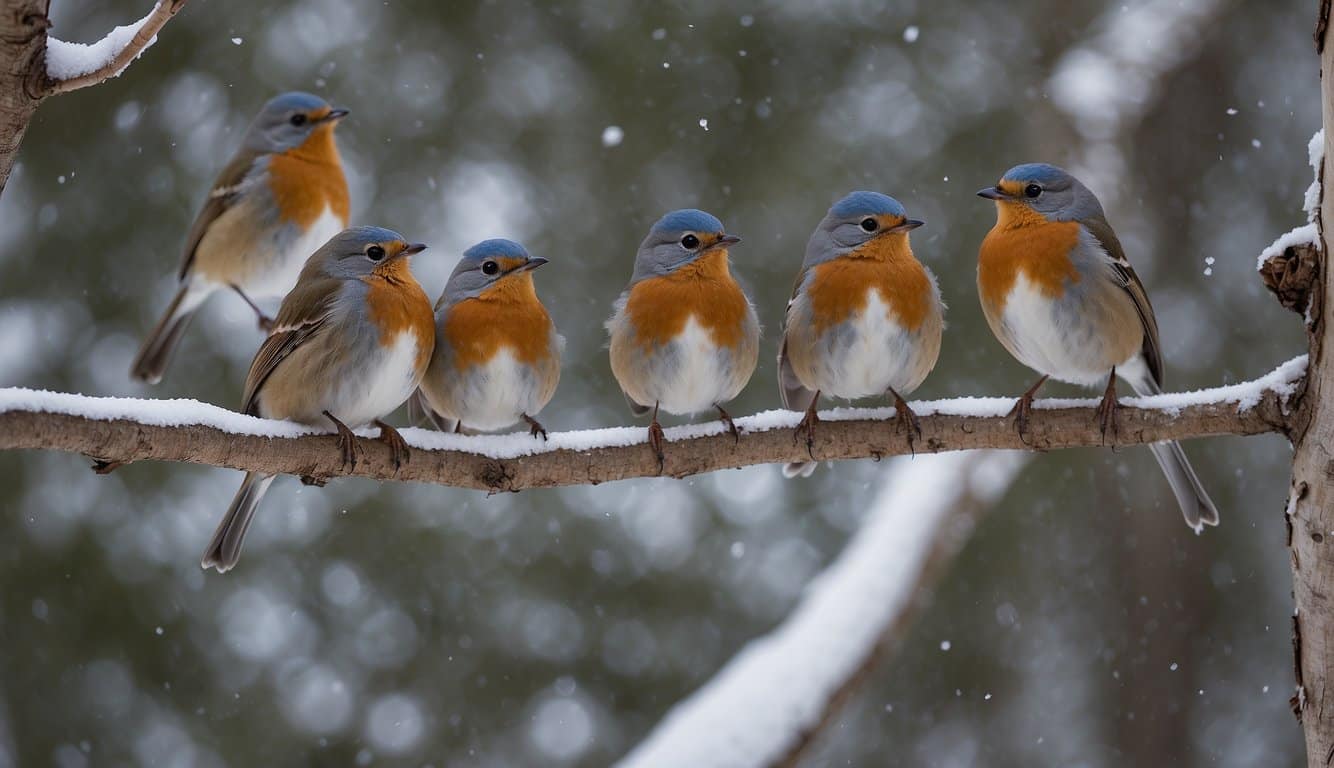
(295, 101)
(1036, 173)
(867, 204)
(496, 248)
(688, 220)
(364, 234)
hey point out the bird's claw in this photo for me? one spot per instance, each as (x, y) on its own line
(398, 447)
(655, 441)
(535, 427)
(726, 419)
(907, 421)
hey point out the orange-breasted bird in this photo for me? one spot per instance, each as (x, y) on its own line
(1060, 295)
(282, 195)
(865, 317)
(497, 353)
(684, 335)
(350, 344)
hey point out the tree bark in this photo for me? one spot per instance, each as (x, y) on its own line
(23, 25)
(604, 455)
(1311, 496)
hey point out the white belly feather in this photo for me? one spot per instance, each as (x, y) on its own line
(374, 389)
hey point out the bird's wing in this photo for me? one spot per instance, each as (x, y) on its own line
(1125, 277)
(795, 396)
(303, 315)
(234, 181)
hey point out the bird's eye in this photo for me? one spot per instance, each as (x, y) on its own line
(690, 242)
(1032, 190)
(375, 253)
(490, 267)
(869, 224)
(298, 119)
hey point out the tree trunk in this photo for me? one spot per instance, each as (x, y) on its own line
(23, 25)
(1311, 497)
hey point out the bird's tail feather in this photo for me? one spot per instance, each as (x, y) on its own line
(1196, 506)
(225, 548)
(155, 354)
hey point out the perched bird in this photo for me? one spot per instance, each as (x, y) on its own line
(1060, 295)
(350, 344)
(282, 196)
(497, 353)
(865, 317)
(684, 336)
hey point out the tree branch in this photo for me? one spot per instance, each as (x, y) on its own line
(120, 431)
(769, 703)
(70, 66)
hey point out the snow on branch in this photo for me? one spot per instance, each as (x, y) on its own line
(70, 66)
(118, 431)
(771, 700)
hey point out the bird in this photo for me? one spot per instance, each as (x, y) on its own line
(350, 344)
(497, 353)
(1060, 295)
(684, 336)
(281, 196)
(865, 318)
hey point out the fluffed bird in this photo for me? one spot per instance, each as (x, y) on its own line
(350, 344)
(497, 353)
(684, 335)
(865, 318)
(1060, 295)
(282, 195)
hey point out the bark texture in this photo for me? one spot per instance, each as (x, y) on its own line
(119, 442)
(1311, 497)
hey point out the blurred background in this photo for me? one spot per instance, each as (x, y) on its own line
(403, 624)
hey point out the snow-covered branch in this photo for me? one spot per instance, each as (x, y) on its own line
(767, 704)
(119, 431)
(70, 66)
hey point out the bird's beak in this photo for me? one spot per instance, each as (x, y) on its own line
(335, 115)
(412, 248)
(533, 263)
(724, 241)
(992, 193)
(908, 225)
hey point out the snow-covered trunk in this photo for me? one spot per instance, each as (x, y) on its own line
(23, 26)
(1311, 497)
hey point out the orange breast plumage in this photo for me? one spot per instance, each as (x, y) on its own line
(308, 179)
(839, 288)
(507, 315)
(1038, 249)
(658, 308)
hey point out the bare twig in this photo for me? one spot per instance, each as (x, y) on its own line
(143, 37)
(128, 431)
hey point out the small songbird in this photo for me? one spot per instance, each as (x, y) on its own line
(684, 336)
(865, 317)
(497, 353)
(350, 344)
(282, 196)
(1060, 295)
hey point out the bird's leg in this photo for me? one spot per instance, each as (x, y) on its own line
(398, 447)
(731, 425)
(347, 443)
(905, 419)
(1023, 408)
(458, 427)
(1106, 412)
(655, 438)
(535, 427)
(807, 425)
(265, 322)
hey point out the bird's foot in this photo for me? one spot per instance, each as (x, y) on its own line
(731, 425)
(1106, 412)
(907, 421)
(398, 447)
(347, 443)
(655, 441)
(807, 425)
(1023, 409)
(535, 427)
